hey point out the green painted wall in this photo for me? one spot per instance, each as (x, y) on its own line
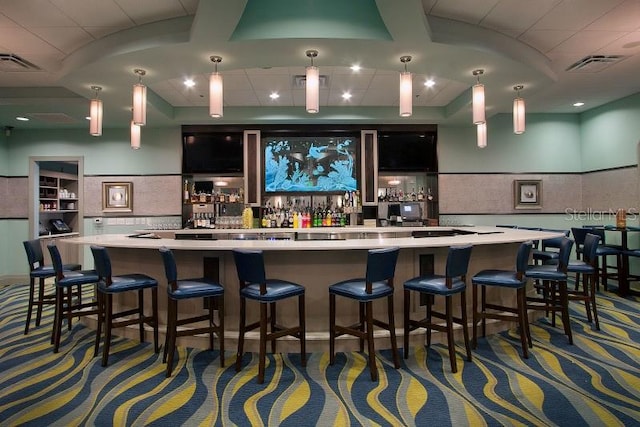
(610, 134)
(4, 155)
(551, 143)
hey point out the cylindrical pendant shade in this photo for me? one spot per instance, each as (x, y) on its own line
(406, 94)
(481, 130)
(312, 85)
(135, 136)
(478, 104)
(139, 104)
(95, 117)
(215, 95)
(518, 116)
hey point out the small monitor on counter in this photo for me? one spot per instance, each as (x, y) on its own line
(410, 211)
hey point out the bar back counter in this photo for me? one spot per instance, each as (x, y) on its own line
(315, 258)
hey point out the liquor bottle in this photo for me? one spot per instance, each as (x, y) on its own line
(429, 194)
(186, 198)
(421, 194)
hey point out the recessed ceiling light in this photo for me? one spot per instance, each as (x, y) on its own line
(189, 83)
(22, 119)
(429, 83)
(274, 95)
(88, 118)
(346, 95)
(578, 104)
(355, 67)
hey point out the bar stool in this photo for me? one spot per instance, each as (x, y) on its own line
(544, 254)
(505, 279)
(377, 284)
(110, 285)
(255, 286)
(550, 275)
(452, 283)
(602, 253)
(587, 268)
(65, 280)
(178, 290)
(38, 270)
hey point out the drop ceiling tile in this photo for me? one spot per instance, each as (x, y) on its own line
(94, 13)
(145, 11)
(35, 13)
(471, 11)
(190, 6)
(6, 22)
(286, 98)
(99, 32)
(242, 98)
(66, 39)
(335, 98)
(235, 82)
(587, 42)
(270, 82)
(625, 17)
(517, 14)
(574, 14)
(545, 40)
(626, 45)
(23, 42)
(353, 81)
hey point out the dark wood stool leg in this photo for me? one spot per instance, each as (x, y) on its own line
(451, 343)
(221, 328)
(370, 343)
(154, 307)
(210, 305)
(241, 332)
(69, 304)
(40, 302)
(273, 325)
(392, 332)
(483, 308)
(57, 321)
(172, 327)
(101, 308)
(429, 303)
(303, 331)
(332, 328)
(32, 291)
(263, 342)
(592, 295)
(476, 316)
(361, 322)
(564, 302)
(465, 327)
(141, 313)
(108, 321)
(407, 317)
(522, 320)
(170, 330)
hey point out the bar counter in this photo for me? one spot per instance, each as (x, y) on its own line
(315, 258)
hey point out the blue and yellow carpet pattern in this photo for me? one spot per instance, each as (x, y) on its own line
(595, 382)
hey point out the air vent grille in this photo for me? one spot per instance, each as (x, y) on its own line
(11, 62)
(595, 63)
(300, 81)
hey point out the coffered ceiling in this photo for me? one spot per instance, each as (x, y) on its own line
(55, 50)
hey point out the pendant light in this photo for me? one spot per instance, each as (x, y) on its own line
(478, 99)
(518, 111)
(406, 89)
(481, 131)
(95, 113)
(139, 99)
(312, 84)
(135, 136)
(215, 90)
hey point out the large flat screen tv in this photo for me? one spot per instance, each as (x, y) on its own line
(310, 164)
(407, 152)
(212, 153)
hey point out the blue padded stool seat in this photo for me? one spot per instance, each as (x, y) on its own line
(451, 283)
(357, 289)
(69, 308)
(514, 279)
(255, 286)
(212, 293)
(276, 290)
(38, 270)
(435, 284)
(377, 284)
(553, 279)
(108, 286)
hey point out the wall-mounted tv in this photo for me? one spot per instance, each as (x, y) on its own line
(212, 152)
(310, 164)
(407, 152)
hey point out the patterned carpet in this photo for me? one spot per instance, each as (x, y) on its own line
(594, 382)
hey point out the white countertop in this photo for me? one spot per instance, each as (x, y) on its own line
(483, 236)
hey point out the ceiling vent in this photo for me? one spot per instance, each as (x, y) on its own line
(11, 62)
(594, 63)
(300, 81)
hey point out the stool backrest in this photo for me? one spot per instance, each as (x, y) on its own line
(522, 258)
(170, 268)
(554, 242)
(598, 231)
(56, 260)
(35, 256)
(381, 264)
(250, 266)
(458, 261)
(102, 263)
(579, 235)
(565, 245)
(590, 248)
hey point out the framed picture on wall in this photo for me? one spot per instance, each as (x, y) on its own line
(527, 194)
(117, 196)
